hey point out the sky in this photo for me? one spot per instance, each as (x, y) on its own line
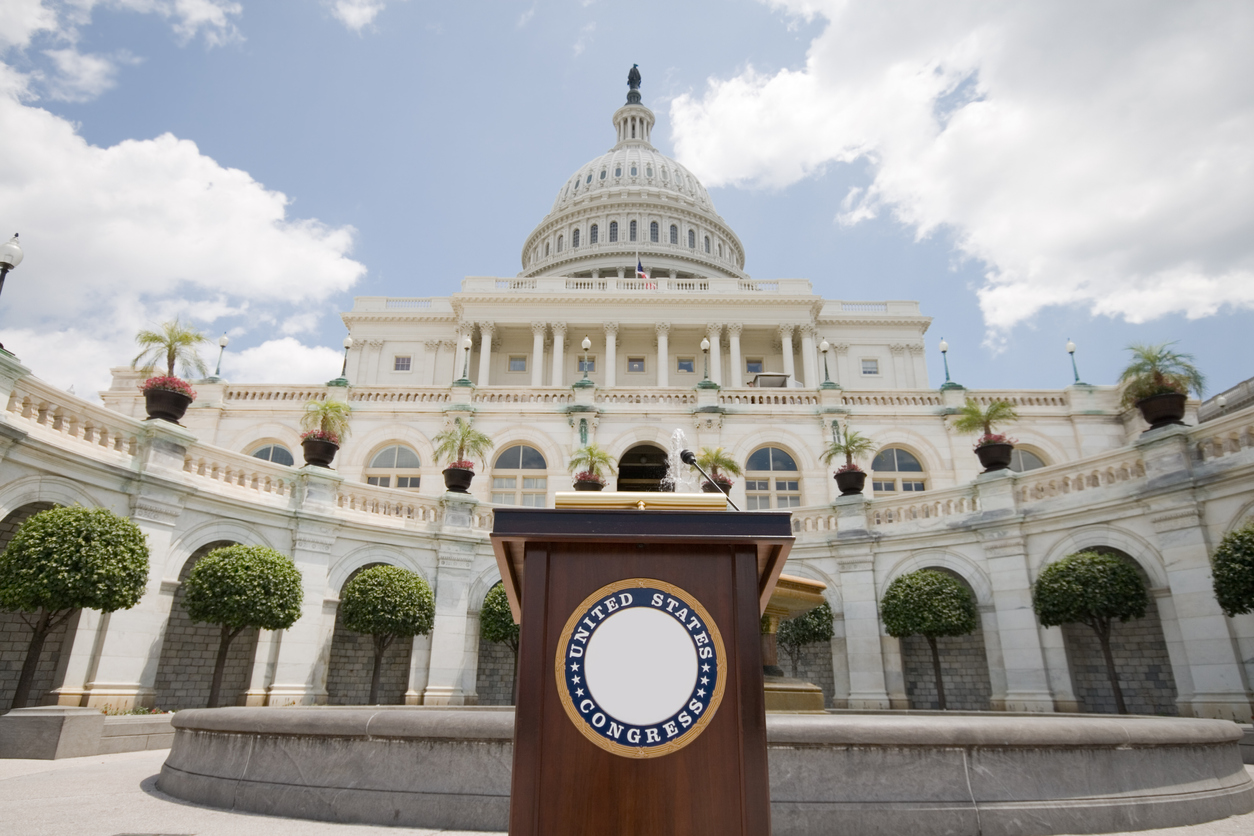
(1030, 172)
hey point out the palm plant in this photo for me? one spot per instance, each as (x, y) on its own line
(852, 445)
(174, 344)
(461, 443)
(716, 462)
(1157, 370)
(590, 461)
(973, 418)
(326, 420)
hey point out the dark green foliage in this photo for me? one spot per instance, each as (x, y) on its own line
(239, 587)
(496, 622)
(66, 559)
(931, 604)
(1234, 571)
(387, 603)
(808, 628)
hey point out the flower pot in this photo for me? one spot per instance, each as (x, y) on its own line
(458, 479)
(166, 405)
(994, 456)
(851, 482)
(318, 452)
(710, 487)
(1162, 410)
(588, 485)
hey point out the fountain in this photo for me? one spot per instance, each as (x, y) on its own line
(679, 478)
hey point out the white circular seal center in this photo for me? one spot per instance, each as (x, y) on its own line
(641, 666)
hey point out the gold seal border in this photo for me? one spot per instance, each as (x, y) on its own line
(585, 727)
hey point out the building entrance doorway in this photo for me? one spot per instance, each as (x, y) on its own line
(642, 468)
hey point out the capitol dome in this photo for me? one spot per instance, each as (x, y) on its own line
(633, 199)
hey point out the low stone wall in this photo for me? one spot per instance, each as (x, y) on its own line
(918, 772)
(53, 731)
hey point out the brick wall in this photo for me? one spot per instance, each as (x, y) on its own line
(15, 635)
(814, 665)
(494, 681)
(1141, 662)
(964, 666)
(352, 662)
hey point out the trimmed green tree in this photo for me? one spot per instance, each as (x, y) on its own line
(496, 624)
(174, 344)
(237, 587)
(1094, 589)
(64, 560)
(1234, 571)
(930, 604)
(808, 628)
(387, 603)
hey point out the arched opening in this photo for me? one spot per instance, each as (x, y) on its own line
(895, 470)
(1022, 459)
(964, 664)
(395, 466)
(189, 651)
(276, 453)
(352, 662)
(642, 468)
(520, 477)
(494, 679)
(15, 633)
(1141, 660)
(772, 480)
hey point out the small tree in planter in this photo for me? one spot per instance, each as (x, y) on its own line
(166, 396)
(1093, 589)
(1157, 381)
(930, 604)
(808, 628)
(459, 445)
(238, 587)
(992, 449)
(716, 463)
(1234, 571)
(587, 463)
(496, 624)
(387, 603)
(64, 560)
(326, 425)
(850, 478)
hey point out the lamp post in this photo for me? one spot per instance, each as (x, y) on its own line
(824, 347)
(342, 380)
(585, 382)
(465, 380)
(706, 383)
(944, 350)
(1074, 370)
(217, 372)
(10, 257)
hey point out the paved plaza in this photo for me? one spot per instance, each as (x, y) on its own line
(116, 795)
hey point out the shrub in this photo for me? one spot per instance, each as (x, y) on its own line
(496, 624)
(1157, 370)
(931, 604)
(810, 627)
(1234, 571)
(387, 603)
(175, 344)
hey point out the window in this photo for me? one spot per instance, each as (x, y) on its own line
(674, 234)
(401, 363)
(648, 172)
(633, 230)
(518, 362)
(1021, 460)
(559, 243)
(633, 165)
(613, 232)
(868, 366)
(593, 234)
(546, 248)
(686, 364)
(515, 480)
(771, 480)
(653, 231)
(274, 453)
(602, 174)
(618, 171)
(589, 180)
(896, 470)
(753, 365)
(635, 365)
(394, 467)
(574, 239)
(707, 245)
(586, 364)
(664, 177)
(720, 250)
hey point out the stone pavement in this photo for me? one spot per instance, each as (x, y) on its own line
(116, 795)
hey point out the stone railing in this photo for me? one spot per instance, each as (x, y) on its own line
(522, 395)
(907, 398)
(812, 520)
(222, 471)
(1073, 477)
(768, 398)
(380, 304)
(46, 411)
(388, 506)
(1224, 436)
(270, 393)
(655, 284)
(1020, 398)
(927, 505)
(397, 394)
(648, 397)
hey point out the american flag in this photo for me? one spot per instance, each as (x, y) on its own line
(640, 274)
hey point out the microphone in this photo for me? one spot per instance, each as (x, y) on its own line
(688, 457)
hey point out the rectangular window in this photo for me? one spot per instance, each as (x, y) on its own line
(407, 481)
(510, 498)
(379, 481)
(758, 503)
(912, 486)
(753, 365)
(401, 363)
(635, 364)
(884, 487)
(517, 363)
(870, 366)
(588, 364)
(685, 364)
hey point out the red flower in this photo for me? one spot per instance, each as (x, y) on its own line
(166, 383)
(589, 476)
(994, 438)
(321, 435)
(850, 468)
(464, 464)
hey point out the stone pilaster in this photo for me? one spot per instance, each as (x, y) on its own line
(809, 359)
(446, 673)
(559, 354)
(735, 368)
(537, 354)
(486, 334)
(610, 368)
(785, 338)
(714, 332)
(864, 641)
(663, 330)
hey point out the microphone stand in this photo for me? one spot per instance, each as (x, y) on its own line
(687, 457)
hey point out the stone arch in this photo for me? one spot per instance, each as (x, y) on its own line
(15, 632)
(344, 568)
(815, 663)
(958, 565)
(1141, 552)
(49, 489)
(189, 651)
(191, 544)
(933, 458)
(642, 467)
(254, 435)
(356, 454)
(351, 659)
(785, 439)
(636, 436)
(1241, 518)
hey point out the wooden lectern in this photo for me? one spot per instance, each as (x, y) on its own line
(640, 702)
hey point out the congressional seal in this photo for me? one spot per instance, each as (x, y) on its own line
(640, 668)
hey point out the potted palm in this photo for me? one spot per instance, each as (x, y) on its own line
(716, 462)
(587, 463)
(1157, 381)
(459, 445)
(326, 425)
(992, 449)
(166, 396)
(850, 478)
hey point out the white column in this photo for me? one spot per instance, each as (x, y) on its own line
(713, 332)
(663, 330)
(262, 674)
(610, 372)
(840, 370)
(537, 354)
(559, 354)
(1005, 550)
(300, 669)
(419, 663)
(433, 359)
(785, 337)
(453, 348)
(452, 601)
(486, 331)
(808, 357)
(864, 646)
(736, 371)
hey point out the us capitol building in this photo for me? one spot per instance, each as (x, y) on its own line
(1084, 476)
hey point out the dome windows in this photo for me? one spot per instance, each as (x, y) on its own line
(559, 243)
(634, 170)
(653, 231)
(603, 174)
(593, 234)
(720, 250)
(674, 234)
(613, 232)
(574, 240)
(648, 172)
(692, 240)
(633, 230)
(707, 245)
(546, 249)
(664, 177)
(589, 180)
(618, 171)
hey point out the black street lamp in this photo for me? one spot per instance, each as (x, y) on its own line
(948, 384)
(824, 347)
(1074, 370)
(342, 380)
(465, 380)
(10, 257)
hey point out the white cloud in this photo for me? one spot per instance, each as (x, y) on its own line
(1084, 154)
(284, 360)
(357, 14)
(80, 77)
(20, 20)
(585, 38)
(526, 16)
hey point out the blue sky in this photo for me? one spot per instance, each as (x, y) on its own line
(1029, 174)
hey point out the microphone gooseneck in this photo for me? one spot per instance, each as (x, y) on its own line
(688, 457)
